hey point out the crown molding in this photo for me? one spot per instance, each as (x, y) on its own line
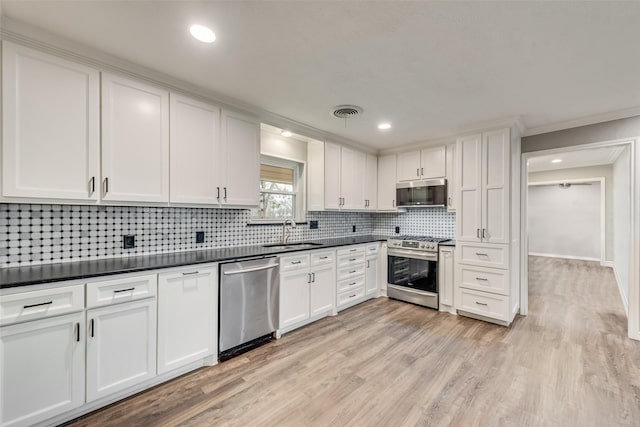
(36, 38)
(583, 121)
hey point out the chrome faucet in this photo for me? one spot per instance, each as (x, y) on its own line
(286, 235)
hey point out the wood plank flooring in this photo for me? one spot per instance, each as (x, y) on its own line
(389, 363)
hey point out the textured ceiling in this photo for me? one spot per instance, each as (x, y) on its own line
(431, 69)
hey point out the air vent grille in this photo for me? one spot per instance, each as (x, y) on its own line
(346, 111)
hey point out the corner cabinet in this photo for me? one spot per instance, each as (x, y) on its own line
(135, 141)
(486, 282)
(240, 167)
(50, 127)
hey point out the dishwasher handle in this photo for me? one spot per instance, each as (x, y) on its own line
(248, 270)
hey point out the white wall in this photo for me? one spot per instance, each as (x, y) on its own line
(565, 222)
(605, 171)
(622, 222)
(278, 146)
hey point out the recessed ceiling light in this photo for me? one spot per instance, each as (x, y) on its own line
(202, 33)
(286, 133)
(556, 161)
(384, 126)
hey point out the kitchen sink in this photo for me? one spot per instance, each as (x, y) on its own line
(292, 245)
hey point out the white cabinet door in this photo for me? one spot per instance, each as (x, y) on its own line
(50, 126)
(495, 186)
(387, 183)
(372, 274)
(332, 169)
(294, 297)
(352, 176)
(445, 270)
(42, 369)
(321, 294)
(135, 141)
(371, 182)
(194, 151)
(433, 163)
(121, 347)
(451, 177)
(408, 166)
(469, 184)
(240, 160)
(187, 317)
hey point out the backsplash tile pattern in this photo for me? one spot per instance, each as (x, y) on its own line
(32, 234)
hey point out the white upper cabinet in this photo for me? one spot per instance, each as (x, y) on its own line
(483, 182)
(332, 192)
(194, 151)
(240, 182)
(387, 183)
(428, 163)
(135, 141)
(371, 182)
(452, 183)
(50, 127)
(344, 177)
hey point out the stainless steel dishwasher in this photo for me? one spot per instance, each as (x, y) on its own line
(249, 305)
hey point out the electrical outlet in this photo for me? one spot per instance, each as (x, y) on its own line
(129, 241)
(313, 225)
(354, 228)
(397, 230)
(199, 236)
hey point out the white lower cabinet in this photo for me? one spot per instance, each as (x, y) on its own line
(306, 288)
(187, 317)
(372, 271)
(121, 347)
(446, 267)
(41, 369)
(351, 277)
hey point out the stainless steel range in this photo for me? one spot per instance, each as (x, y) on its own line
(413, 269)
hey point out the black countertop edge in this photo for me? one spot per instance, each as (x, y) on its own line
(12, 277)
(448, 243)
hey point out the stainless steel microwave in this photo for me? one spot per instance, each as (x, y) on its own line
(419, 194)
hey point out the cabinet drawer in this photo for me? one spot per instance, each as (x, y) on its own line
(496, 256)
(351, 250)
(346, 285)
(324, 257)
(351, 259)
(39, 304)
(349, 296)
(350, 272)
(484, 304)
(121, 290)
(484, 279)
(294, 262)
(372, 249)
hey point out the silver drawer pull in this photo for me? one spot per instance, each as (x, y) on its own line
(352, 250)
(482, 278)
(324, 257)
(352, 259)
(351, 296)
(190, 273)
(296, 262)
(124, 290)
(352, 271)
(481, 303)
(38, 305)
(481, 254)
(352, 283)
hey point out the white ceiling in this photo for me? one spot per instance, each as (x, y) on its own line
(430, 68)
(575, 159)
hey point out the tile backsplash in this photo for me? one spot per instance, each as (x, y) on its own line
(32, 234)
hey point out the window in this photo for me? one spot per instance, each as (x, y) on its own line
(280, 191)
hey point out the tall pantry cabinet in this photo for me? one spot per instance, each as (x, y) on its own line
(486, 279)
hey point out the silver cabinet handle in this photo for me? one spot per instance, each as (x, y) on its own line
(482, 279)
(92, 328)
(351, 296)
(324, 257)
(352, 283)
(481, 303)
(393, 203)
(296, 262)
(247, 270)
(368, 265)
(225, 193)
(218, 196)
(352, 259)
(481, 254)
(313, 277)
(37, 305)
(421, 171)
(117, 291)
(92, 186)
(190, 273)
(449, 201)
(308, 277)
(418, 172)
(78, 332)
(483, 233)
(352, 250)
(352, 271)
(106, 185)
(478, 233)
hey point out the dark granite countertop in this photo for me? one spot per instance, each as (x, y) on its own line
(46, 273)
(448, 243)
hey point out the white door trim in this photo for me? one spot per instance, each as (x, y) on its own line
(633, 328)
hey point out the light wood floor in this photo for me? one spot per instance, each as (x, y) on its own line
(388, 363)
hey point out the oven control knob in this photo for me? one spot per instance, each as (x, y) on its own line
(431, 246)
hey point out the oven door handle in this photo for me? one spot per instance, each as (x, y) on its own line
(414, 255)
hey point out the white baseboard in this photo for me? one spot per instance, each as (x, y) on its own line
(606, 264)
(564, 256)
(623, 297)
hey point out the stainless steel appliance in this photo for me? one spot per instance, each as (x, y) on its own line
(413, 269)
(248, 304)
(421, 194)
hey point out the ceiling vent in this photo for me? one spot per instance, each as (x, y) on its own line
(346, 111)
